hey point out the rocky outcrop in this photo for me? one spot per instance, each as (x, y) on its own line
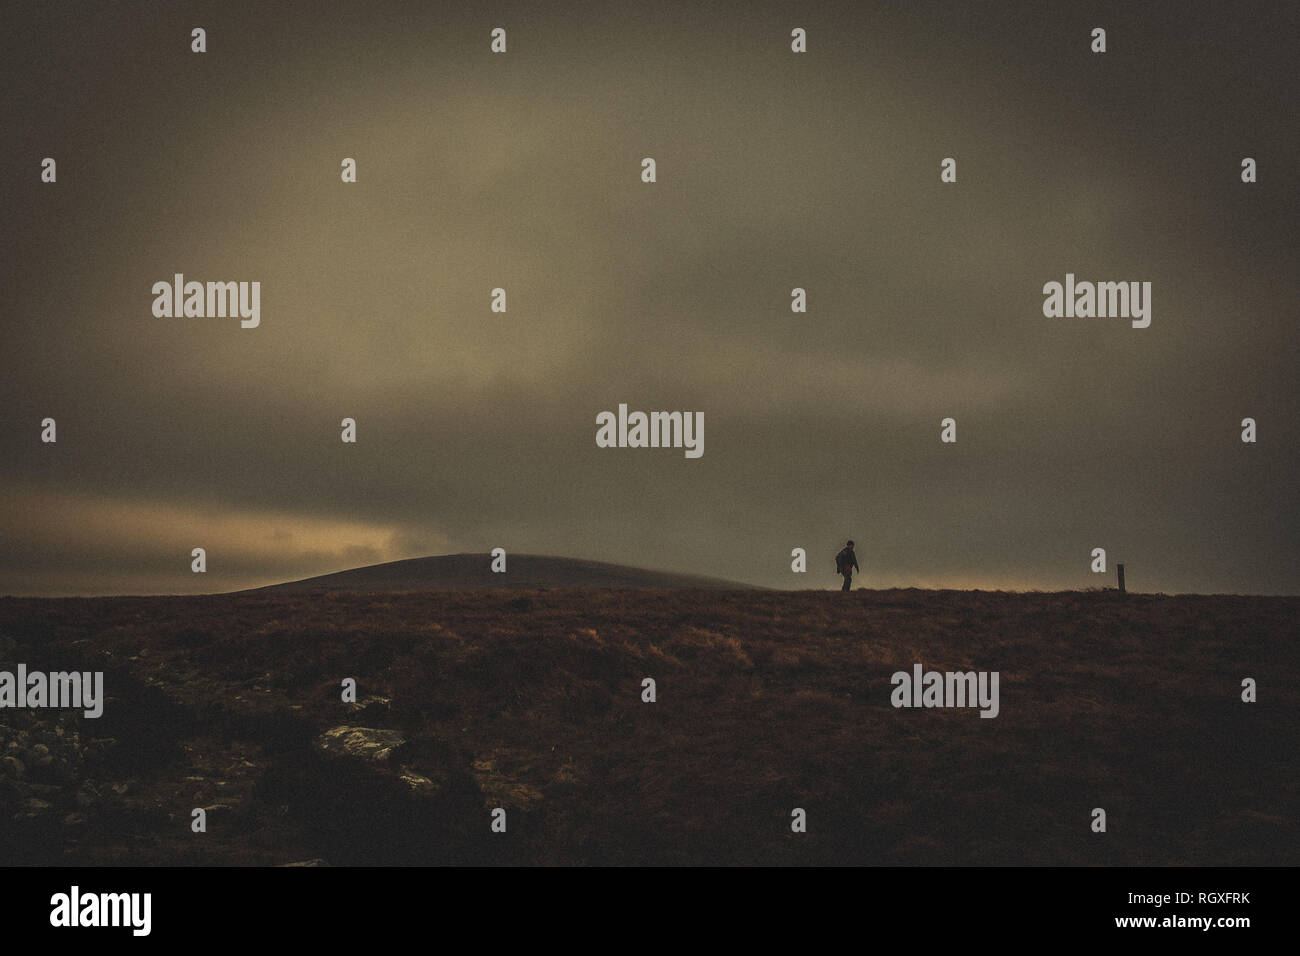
(362, 743)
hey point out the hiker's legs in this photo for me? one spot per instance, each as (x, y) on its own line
(848, 576)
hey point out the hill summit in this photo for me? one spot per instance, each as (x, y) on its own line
(524, 571)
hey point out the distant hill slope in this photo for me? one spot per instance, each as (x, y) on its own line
(474, 571)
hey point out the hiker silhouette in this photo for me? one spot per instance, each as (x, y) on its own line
(846, 562)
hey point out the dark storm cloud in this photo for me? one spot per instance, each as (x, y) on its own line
(820, 171)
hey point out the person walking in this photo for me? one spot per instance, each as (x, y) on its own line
(846, 562)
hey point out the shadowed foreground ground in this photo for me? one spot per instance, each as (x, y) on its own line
(767, 701)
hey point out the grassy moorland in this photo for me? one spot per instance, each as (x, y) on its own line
(767, 701)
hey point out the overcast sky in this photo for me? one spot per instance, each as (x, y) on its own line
(775, 170)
